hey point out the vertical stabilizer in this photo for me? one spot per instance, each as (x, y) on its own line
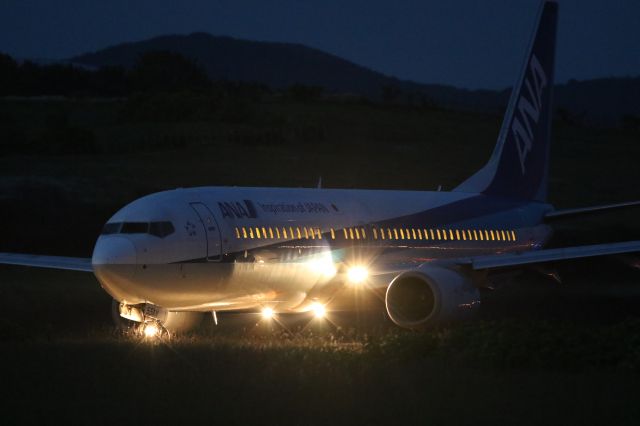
(518, 167)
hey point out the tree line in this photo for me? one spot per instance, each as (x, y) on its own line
(157, 71)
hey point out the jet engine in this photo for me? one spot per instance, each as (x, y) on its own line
(429, 296)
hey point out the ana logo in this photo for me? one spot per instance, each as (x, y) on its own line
(238, 210)
(528, 112)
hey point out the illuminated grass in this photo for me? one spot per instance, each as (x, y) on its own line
(62, 360)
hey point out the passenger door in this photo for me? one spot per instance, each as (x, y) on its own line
(211, 230)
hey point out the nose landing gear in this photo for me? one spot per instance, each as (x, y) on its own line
(152, 321)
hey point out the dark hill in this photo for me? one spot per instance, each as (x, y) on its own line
(280, 65)
(277, 65)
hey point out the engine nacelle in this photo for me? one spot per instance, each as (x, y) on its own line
(430, 295)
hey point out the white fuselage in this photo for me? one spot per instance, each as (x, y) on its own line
(223, 248)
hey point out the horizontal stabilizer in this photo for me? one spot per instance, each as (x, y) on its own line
(569, 213)
(53, 262)
(549, 255)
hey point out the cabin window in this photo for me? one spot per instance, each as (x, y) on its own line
(351, 233)
(457, 235)
(364, 233)
(493, 237)
(277, 232)
(298, 232)
(271, 232)
(333, 234)
(513, 236)
(244, 232)
(357, 233)
(250, 232)
(264, 232)
(382, 233)
(438, 233)
(237, 233)
(319, 232)
(395, 234)
(306, 234)
(503, 236)
(401, 234)
(375, 234)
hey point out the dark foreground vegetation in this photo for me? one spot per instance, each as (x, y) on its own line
(540, 352)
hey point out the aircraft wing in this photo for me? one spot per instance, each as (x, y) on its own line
(548, 255)
(570, 213)
(54, 262)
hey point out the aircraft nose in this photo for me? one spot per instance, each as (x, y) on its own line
(114, 250)
(114, 265)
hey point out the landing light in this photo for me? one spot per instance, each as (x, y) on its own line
(357, 274)
(151, 330)
(319, 310)
(267, 313)
(323, 265)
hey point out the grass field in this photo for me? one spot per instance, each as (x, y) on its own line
(539, 353)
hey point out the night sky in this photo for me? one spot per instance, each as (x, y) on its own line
(466, 43)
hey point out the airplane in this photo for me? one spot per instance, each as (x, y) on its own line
(168, 258)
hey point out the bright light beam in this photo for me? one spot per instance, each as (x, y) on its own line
(319, 311)
(151, 330)
(357, 274)
(267, 313)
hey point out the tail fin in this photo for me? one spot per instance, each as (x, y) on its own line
(518, 167)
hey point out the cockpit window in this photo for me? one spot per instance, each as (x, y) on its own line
(157, 229)
(111, 228)
(135, 228)
(161, 229)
